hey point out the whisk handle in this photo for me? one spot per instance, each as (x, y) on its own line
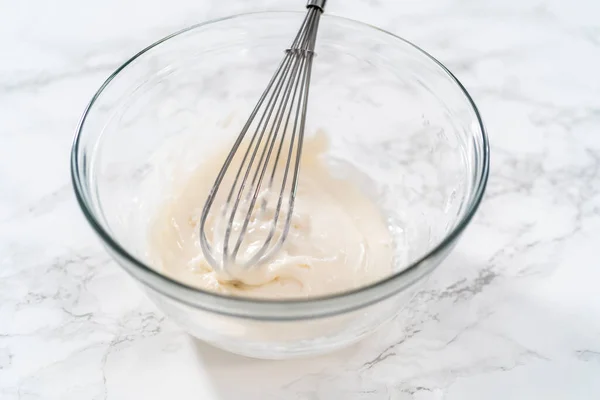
(320, 4)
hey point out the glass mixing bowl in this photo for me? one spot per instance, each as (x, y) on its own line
(404, 127)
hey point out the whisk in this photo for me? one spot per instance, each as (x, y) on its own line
(262, 167)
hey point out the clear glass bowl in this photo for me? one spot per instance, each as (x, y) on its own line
(409, 130)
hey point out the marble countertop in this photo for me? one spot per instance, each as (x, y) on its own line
(514, 312)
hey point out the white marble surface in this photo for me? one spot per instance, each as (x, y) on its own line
(514, 313)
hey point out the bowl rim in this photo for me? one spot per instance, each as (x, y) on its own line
(277, 309)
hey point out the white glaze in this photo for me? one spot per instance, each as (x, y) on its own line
(338, 239)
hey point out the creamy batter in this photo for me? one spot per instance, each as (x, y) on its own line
(338, 238)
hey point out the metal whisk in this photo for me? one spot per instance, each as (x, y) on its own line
(261, 170)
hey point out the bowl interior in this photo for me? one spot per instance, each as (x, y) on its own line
(398, 123)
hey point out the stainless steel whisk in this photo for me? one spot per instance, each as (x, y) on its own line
(269, 166)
